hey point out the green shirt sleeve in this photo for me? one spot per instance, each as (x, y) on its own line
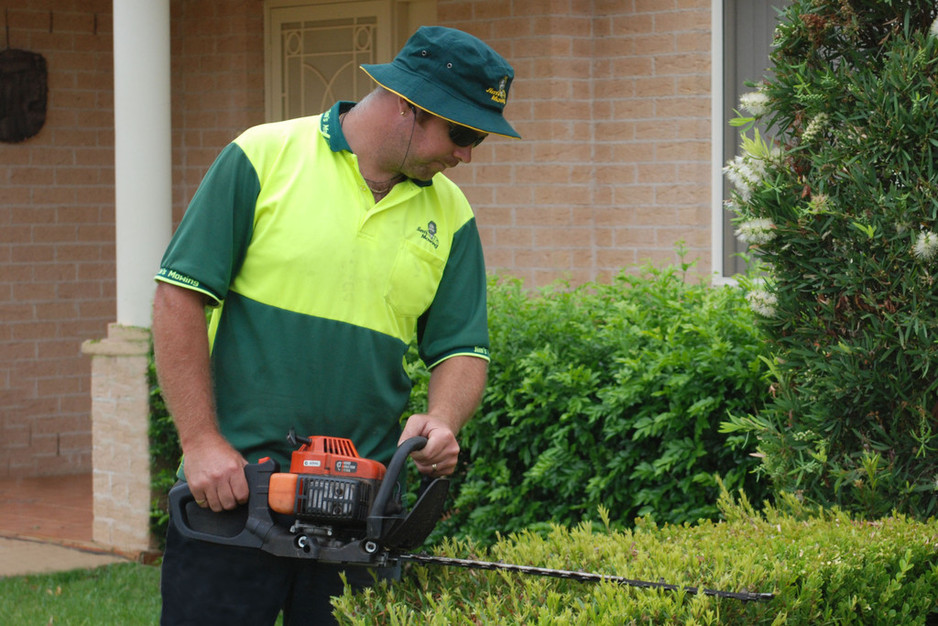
(208, 248)
(456, 324)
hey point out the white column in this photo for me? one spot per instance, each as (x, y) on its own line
(142, 152)
(143, 218)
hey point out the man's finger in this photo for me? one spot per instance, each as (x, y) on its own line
(211, 501)
(240, 488)
(226, 498)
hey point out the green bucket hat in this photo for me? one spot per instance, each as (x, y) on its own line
(452, 75)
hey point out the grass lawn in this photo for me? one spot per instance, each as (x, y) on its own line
(122, 594)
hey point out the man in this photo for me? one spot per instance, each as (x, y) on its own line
(324, 245)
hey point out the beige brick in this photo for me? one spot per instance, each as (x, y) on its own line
(685, 20)
(506, 197)
(615, 258)
(514, 237)
(544, 216)
(632, 236)
(543, 258)
(617, 174)
(563, 196)
(682, 195)
(682, 107)
(655, 86)
(565, 238)
(656, 172)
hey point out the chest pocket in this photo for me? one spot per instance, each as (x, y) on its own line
(414, 279)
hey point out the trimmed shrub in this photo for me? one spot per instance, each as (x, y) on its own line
(824, 567)
(607, 394)
(841, 208)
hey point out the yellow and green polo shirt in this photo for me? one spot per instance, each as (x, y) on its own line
(320, 290)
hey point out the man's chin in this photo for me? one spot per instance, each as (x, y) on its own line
(427, 172)
(426, 175)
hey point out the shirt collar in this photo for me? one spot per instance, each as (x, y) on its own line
(331, 129)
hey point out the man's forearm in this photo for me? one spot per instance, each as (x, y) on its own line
(213, 468)
(455, 389)
(180, 346)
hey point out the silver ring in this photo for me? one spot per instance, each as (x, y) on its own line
(434, 467)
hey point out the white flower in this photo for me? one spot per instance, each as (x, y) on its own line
(933, 31)
(756, 231)
(926, 246)
(819, 203)
(774, 155)
(815, 127)
(762, 302)
(738, 172)
(746, 173)
(756, 102)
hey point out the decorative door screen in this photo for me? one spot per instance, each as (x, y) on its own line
(315, 51)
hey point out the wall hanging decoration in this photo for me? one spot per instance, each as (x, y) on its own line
(23, 92)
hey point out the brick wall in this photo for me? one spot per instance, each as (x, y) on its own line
(57, 273)
(56, 240)
(612, 98)
(218, 84)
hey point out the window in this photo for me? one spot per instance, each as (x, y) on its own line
(742, 39)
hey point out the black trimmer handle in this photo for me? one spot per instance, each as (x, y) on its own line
(195, 522)
(379, 512)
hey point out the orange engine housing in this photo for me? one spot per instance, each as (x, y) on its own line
(334, 456)
(330, 457)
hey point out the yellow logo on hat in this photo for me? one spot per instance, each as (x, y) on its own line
(499, 95)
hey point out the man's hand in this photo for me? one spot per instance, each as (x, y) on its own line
(215, 473)
(439, 456)
(453, 395)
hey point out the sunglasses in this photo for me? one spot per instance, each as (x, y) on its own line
(463, 136)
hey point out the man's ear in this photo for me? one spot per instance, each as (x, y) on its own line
(406, 104)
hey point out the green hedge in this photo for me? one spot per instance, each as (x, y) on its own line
(825, 567)
(608, 394)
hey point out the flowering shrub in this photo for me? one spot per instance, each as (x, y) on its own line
(840, 207)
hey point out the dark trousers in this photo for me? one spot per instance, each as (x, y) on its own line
(204, 583)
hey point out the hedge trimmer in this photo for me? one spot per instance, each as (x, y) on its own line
(337, 507)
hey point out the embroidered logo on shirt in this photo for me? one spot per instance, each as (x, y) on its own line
(429, 234)
(325, 124)
(176, 277)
